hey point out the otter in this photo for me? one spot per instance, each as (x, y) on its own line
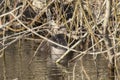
(55, 71)
(57, 51)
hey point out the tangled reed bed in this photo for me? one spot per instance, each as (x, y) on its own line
(94, 25)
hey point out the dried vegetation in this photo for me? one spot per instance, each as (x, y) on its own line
(94, 25)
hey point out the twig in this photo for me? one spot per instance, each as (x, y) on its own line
(67, 52)
(43, 36)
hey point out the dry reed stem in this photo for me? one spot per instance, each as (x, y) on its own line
(87, 24)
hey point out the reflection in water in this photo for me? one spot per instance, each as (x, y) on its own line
(55, 72)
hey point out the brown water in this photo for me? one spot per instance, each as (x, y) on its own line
(19, 55)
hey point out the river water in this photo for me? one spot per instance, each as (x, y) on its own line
(21, 63)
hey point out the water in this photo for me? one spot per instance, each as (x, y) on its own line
(21, 63)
